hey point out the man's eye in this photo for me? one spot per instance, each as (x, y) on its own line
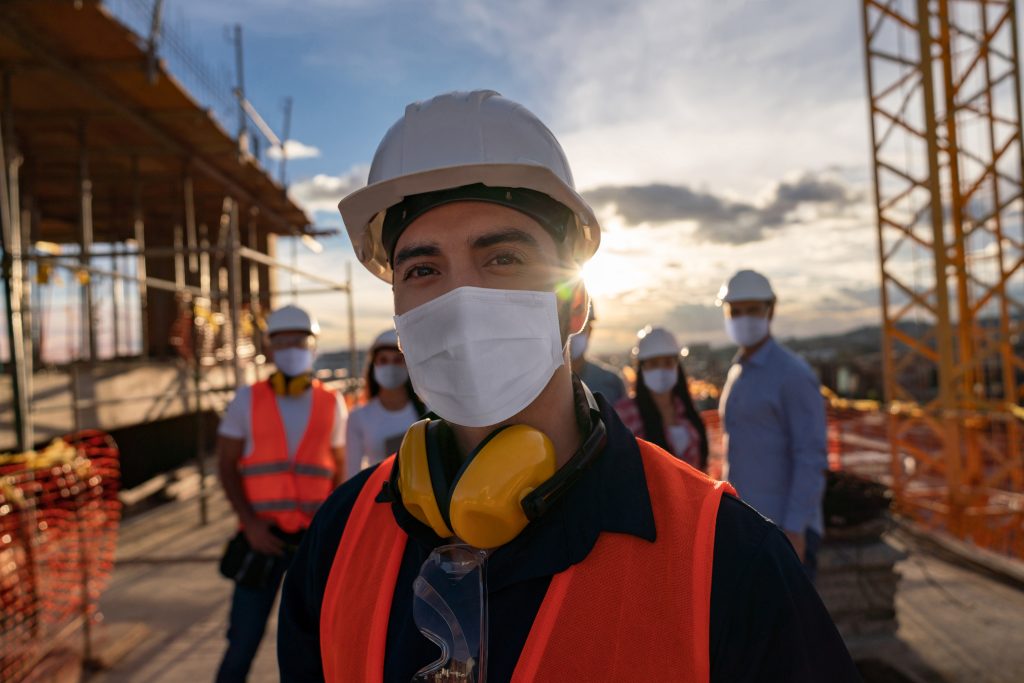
(418, 271)
(506, 259)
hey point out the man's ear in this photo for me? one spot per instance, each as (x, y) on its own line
(771, 311)
(579, 306)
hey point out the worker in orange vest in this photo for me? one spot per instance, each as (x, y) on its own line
(604, 557)
(281, 451)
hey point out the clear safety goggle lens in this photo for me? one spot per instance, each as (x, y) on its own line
(450, 609)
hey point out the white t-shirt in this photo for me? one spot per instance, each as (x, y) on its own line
(680, 438)
(294, 410)
(374, 433)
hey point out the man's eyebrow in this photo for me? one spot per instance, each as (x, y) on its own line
(514, 235)
(415, 250)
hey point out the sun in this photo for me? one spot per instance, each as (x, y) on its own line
(615, 271)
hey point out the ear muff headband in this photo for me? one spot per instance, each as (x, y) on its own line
(536, 504)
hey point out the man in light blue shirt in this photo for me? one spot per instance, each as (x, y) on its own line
(773, 417)
(599, 377)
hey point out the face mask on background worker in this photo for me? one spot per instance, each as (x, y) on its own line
(660, 380)
(578, 345)
(294, 362)
(390, 376)
(478, 356)
(747, 330)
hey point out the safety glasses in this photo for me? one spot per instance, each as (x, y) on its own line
(450, 609)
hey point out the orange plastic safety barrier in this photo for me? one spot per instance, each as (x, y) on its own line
(59, 515)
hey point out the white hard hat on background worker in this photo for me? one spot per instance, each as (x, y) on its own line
(655, 342)
(291, 318)
(512, 148)
(386, 339)
(745, 285)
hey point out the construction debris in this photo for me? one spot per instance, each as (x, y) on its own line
(857, 577)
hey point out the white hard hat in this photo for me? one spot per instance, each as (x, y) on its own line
(292, 319)
(459, 139)
(746, 285)
(654, 342)
(386, 339)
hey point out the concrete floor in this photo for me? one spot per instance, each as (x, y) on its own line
(167, 578)
(959, 626)
(963, 625)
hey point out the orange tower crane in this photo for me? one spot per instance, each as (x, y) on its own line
(945, 109)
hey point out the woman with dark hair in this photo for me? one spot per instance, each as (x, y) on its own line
(662, 411)
(376, 428)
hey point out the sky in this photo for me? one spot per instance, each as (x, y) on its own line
(708, 136)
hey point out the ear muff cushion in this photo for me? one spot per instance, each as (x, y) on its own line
(485, 502)
(299, 384)
(415, 483)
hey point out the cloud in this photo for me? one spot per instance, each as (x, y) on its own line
(868, 295)
(294, 150)
(322, 192)
(735, 92)
(719, 219)
(688, 319)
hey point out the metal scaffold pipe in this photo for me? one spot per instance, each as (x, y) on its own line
(13, 276)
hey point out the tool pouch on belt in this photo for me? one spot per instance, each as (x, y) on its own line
(252, 569)
(245, 566)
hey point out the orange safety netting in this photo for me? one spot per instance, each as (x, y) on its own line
(59, 515)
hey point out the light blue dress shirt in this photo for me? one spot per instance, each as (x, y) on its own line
(602, 379)
(773, 416)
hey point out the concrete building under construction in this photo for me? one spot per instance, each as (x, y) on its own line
(139, 235)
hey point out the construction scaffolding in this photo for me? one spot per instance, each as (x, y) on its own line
(945, 98)
(136, 232)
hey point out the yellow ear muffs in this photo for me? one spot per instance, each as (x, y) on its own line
(485, 506)
(510, 479)
(483, 503)
(294, 386)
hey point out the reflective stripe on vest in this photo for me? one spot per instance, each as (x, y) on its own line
(289, 491)
(632, 610)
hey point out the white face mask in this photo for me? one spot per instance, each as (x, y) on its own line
(578, 345)
(390, 376)
(660, 380)
(478, 356)
(294, 362)
(747, 330)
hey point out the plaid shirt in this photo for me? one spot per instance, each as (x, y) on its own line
(629, 413)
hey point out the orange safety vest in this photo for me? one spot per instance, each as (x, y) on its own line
(631, 611)
(284, 490)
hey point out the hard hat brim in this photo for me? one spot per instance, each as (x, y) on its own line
(363, 210)
(743, 296)
(314, 331)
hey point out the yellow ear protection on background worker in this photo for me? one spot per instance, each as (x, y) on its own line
(283, 385)
(510, 479)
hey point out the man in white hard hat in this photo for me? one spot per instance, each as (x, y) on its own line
(773, 417)
(281, 451)
(599, 377)
(607, 558)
